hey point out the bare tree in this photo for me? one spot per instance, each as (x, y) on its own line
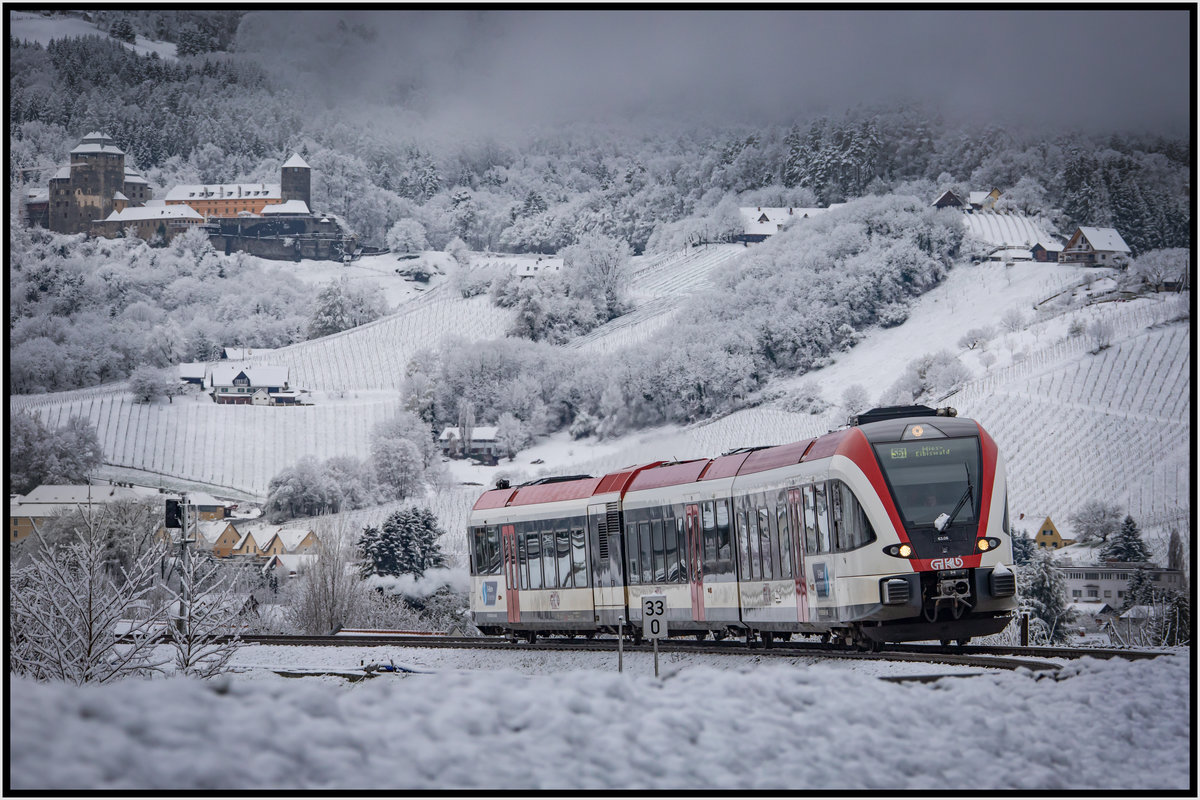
(1100, 334)
(329, 592)
(204, 616)
(466, 425)
(73, 621)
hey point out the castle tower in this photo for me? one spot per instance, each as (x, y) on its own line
(295, 181)
(85, 193)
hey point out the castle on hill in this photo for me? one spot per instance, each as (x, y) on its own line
(97, 193)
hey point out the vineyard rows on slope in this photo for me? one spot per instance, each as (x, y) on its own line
(237, 446)
(374, 356)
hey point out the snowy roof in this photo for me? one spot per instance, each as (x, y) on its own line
(290, 207)
(97, 143)
(260, 191)
(119, 196)
(1139, 612)
(133, 177)
(194, 369)
(259, 374)
(292, 537)
(139, 213)
(976, 198)
(63, 173)
(241, 353)
(211, 529)
(292, 562)
(296, 161)
(1050, 246)
(200, 499)
(48, 500)
(37, 196)
(1004, 230)
(763, 220)
(1104, 239)
(480, 433)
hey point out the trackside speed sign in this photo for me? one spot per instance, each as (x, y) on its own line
(654, 616)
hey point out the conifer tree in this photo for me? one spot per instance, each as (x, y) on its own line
(1126, 544)
(1044, 596)
(1140, 591)
(407, 543)
(1023, 547)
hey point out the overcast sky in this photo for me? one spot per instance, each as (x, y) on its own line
(1082, 68)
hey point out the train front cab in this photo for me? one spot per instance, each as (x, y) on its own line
(934, 490)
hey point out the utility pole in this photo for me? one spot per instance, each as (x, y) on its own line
(184, 564)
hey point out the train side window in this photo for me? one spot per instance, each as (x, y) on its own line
(578, 559)
(660, 551)
(563, 553)
(533, 546)
(853, 528)
(647, 552)
(822, 519)
(708, 522)
(671, 549)
(635, 574)
(522, 560)
(785, 542)
(743, 534)
(494, 556)
(724, 554)
(681, 541)
(810, 520)
(755, 548)
(476, 539)
(768, 543)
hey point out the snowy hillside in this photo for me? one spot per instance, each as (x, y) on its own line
(1073, 425)
(27, 26)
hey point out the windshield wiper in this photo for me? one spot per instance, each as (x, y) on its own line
(943, 521)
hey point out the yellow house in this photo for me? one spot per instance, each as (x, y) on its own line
(247, 545)
(288, 541)
(217, 535)
(1049, 538)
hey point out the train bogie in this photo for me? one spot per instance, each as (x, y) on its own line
(892, 530)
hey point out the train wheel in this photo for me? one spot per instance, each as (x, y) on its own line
(945, 642)
(825, 637)
(531, 637)
(964, 641)
(767, 638)
(700, 636)
(785, 637)
(719, 635)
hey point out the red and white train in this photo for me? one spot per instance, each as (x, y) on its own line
(894, 529)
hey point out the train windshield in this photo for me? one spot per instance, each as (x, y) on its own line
(931, 477)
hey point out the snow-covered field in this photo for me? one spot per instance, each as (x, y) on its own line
(554, 722)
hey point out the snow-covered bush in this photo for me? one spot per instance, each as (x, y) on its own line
(407, 236)
(932, 375)
(341, 305)
(147, 383)
(37, 455)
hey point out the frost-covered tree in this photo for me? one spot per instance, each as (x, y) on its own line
(1023, 547)
(1100, 335)
(407, 236)
(379, 548)
(511, 434)
(399, 467)
(977, 337)
(1156, 267)
(458, 250)
(38, 455)
(328, 593)
(1140, 590)
(204, 630)
(413, 534)
(855, 399)
(1013, 320)
(1126, 544)
(147, 383)
(71, 620)
(1095, 521)
(596, 267)
(341, 306)
(304, 489)
(1043, 594)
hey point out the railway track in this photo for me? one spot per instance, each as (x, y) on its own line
(1034, 658)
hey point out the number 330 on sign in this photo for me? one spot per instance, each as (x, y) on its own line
(654, 616)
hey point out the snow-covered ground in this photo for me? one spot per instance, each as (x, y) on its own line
(29, 27)
(514, 720)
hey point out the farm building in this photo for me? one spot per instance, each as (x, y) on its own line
(759, 222)
(45, 502)
(1096, 247)
(193, 372)
(148, 222)
(244, 384)
(1005, 236)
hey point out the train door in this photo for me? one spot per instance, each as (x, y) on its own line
(512, 597)
(795, 512)
(608, 576)
(695, 546)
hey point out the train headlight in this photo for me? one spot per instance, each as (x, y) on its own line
(905, 551)
(899, 550)
(987, 543)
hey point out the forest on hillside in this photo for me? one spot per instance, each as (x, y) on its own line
(227, 114)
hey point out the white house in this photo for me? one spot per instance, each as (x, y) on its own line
(759, 222)
(244, 384)
(1096, 247)
(484, 443)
